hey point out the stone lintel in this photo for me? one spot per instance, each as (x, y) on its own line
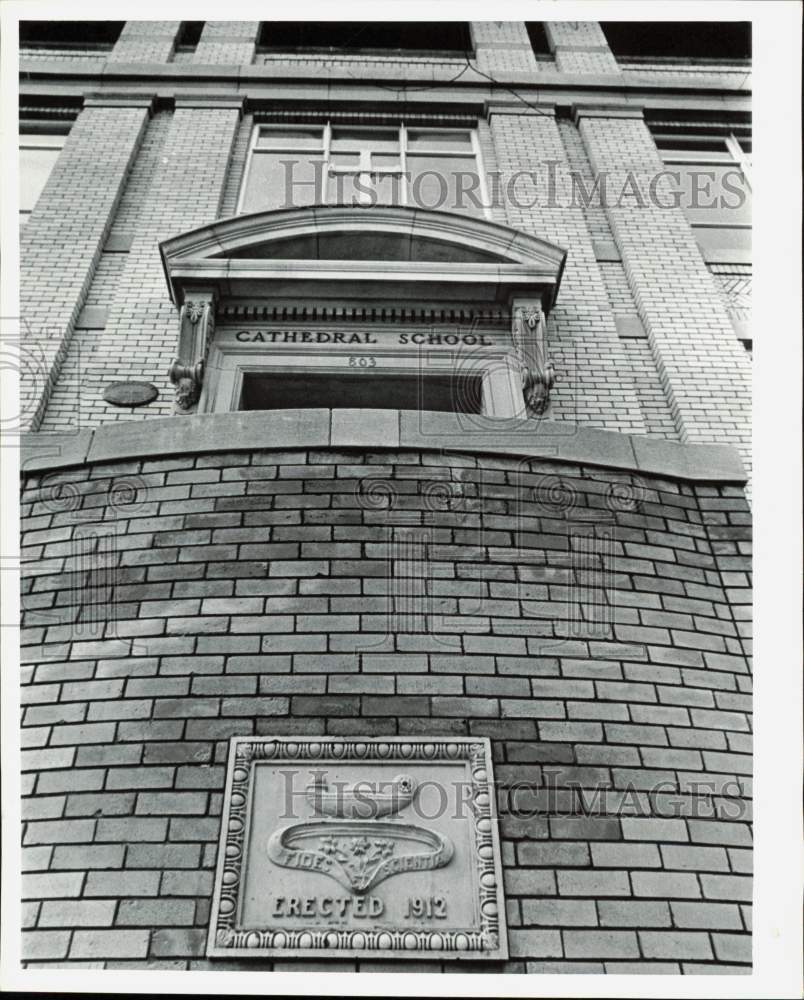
(120, 99)
(209, 100)
(607, 110)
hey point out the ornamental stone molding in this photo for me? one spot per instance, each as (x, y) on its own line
(379, 253)
(378, 848)
(196, 327)
(528, 331)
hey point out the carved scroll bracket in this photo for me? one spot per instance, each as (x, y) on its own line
(196, 328)
(529, 333)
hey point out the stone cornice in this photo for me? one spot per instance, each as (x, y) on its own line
(264, 82)
(555, 441)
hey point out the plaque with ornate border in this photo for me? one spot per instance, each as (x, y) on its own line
(377, 847)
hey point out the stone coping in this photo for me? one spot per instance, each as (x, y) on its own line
(377, 429)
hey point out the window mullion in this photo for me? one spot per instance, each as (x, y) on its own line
(736, 150)
(241, 195)
(403, 162)
(481, 174)
(327, 159)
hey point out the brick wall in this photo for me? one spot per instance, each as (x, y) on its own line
(503, 46)
(594, 384)
(145, 41)
(591, 623)
(231, 42)
(61, 243)
(704, 369)
(139, 335)
(580, 47)
(633, 356)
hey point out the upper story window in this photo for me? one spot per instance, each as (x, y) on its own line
(433, 168)
(709, 41)
(714, 181)
(406, 37)
(538, 38)
(189, 35)
(38, 154)
(100, 35)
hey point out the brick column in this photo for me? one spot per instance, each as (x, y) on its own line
(146, 41)
(593, 386)
(503, 45)
(580, 47)
(704, 369)
(230, 42)
(62, 241)
(140, 337)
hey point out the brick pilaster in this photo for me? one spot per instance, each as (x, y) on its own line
(580, 47)
(231, 42)
(705, 370)
(146, 41)
(503, 45)
(62, 241)
(139, 340)
(594, 385)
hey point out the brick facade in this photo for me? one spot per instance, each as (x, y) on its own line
(593, 388)
(145, 42)
(71, 221)
(583, 605)
(580, 47)
(660, 255)
(265, 592)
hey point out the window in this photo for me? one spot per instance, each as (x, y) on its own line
(714, 179)
(38, 155)
(365, 36)
(431, 168)
(538, 38)
(70, 34)
(707, 40)
(189, 35)
(287, 390)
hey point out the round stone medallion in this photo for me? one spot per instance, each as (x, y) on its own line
(130, 393)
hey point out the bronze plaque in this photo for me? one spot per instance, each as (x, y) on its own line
(130, 393)
(359, 847)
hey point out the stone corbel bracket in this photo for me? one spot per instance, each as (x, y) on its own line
(196, 327)
(529, 333)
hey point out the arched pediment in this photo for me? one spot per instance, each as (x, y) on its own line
(381, 248)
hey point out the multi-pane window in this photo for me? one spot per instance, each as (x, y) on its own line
(714, 181)
(434, 168)
(38, 155)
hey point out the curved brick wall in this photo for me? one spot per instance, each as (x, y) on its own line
(589, 622)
